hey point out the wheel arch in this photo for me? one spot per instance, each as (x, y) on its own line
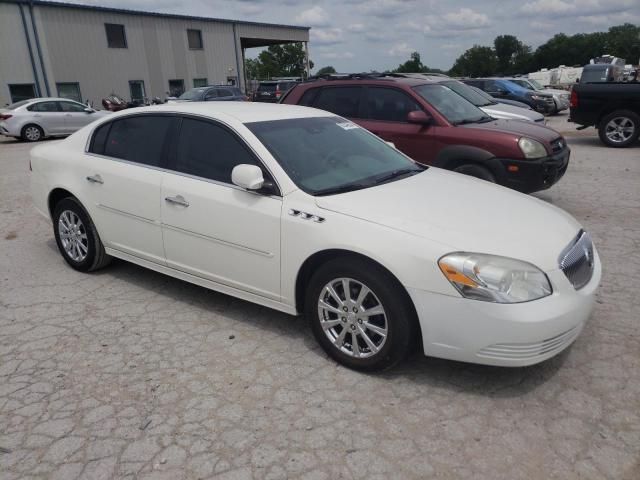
(313, 262)
(56, 195)
(612, 108)
(45, 133)
(456, 155)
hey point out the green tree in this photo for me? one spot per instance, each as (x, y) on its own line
(278, 61)
(624, 41)
(506, 47)
(326, 70)
(413, 65)
(478, 61)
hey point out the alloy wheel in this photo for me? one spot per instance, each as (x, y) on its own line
(619, 129)
(32, 133)
(352, 317)
(73, 236)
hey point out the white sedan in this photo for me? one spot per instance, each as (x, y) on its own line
(305, 212)
(37, 118)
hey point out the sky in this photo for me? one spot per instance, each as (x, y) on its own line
(363, 35)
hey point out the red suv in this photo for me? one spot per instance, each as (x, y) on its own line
(435, 126)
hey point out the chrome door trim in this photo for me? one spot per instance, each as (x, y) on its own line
(127, 214)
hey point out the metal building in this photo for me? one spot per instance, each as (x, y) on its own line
(86, 52)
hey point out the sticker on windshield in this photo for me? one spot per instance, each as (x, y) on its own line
(347, 125)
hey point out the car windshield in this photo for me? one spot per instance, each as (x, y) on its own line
(329, 155)
(267, 87)
(13, 106)
(468, 93)
(192, 94)
(455, 109)
(536, 84)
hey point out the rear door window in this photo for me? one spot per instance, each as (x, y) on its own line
(389, 104)
(71, 107)
(343, 101)
(139, 138)
(224, 92)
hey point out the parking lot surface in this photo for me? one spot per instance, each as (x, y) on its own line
(127, 373)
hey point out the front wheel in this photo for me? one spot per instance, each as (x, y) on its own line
(77, 237)
(619, 129)
(360, 314)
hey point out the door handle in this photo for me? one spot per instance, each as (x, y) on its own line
(177, 200)
(95, 179)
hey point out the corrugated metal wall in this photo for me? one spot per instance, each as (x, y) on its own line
(74, 48)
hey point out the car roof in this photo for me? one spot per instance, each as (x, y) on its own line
(381, 79)
(52, 99)
(244, 112)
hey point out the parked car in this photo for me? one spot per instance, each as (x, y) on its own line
(435, 126)
(490, 106)
(224, 93)
(37, 118)
(560, 97)
(613, 108)
(503, 101)
(500, 88)
(302, 211)
(271, 91)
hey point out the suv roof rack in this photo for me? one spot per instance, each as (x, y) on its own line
(348, 76)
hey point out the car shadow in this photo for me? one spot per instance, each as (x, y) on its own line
(594, 141)
(427, 372)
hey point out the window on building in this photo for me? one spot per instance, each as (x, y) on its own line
(24, 91)
(115, 35)
(136, 89)
(138, 138)
(343, 101)
(176, 88)
(199, 82)
(210, 151)
(195, 39)
(389, 104)
(69, 90)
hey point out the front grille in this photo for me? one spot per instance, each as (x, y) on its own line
(558, 145)
(577, 260)
(529, 351)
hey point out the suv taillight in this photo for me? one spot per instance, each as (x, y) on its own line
(5, 116)
(573, 101)
(278, 93)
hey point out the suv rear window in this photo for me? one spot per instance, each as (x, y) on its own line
(267, 87)
(343, 101)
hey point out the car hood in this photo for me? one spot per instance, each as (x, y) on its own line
(463, 214)
(554, 91)
(507, 112)
(524, 129)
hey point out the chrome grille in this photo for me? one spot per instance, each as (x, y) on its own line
(577, 260)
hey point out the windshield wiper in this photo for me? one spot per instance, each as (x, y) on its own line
(466, 121)
(348, 187)
(402, 172)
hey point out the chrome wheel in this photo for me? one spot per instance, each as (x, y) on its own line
(32, 133)
(352, 317)
(619, 129)
(73, 236)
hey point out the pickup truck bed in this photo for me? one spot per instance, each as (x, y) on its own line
(612, 107)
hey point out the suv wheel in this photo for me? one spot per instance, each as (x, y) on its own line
(360, 314)
(477, 171)
(619, 129)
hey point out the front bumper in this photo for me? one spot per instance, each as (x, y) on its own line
(508, 335)
(531, 175)
(562, 103)
(544, 106)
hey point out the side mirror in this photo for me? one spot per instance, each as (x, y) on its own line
(89, 110)
(247, 176)
(419, 117)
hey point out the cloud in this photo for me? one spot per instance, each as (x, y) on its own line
(465, 19)
(313, 17)
(584, 8)
(356, 27)
(385, 8)
(326, 36)
(401, 49)
(336, 55)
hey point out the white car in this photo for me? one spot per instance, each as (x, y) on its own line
(305, 212)
(37, 118)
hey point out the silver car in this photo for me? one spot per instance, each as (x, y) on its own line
(37, 118)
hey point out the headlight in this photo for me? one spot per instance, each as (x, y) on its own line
(491, 278)
(531, 148)
(539, 97)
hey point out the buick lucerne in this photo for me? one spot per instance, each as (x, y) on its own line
(305, 212)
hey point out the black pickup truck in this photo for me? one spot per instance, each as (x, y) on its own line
(612, 107)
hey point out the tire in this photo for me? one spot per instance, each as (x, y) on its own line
(397, 321)
(88, 255)
(477, 171)
(619, 129)
(32, 133)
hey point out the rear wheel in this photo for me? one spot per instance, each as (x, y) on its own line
(477, 171)
(619, 129)
(360, 314)
(32, 133)
(77, 237)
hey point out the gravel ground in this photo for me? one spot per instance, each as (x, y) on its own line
(127, 373)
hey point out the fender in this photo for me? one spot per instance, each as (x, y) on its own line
(453, 156)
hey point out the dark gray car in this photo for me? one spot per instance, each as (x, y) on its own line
(225, 93)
